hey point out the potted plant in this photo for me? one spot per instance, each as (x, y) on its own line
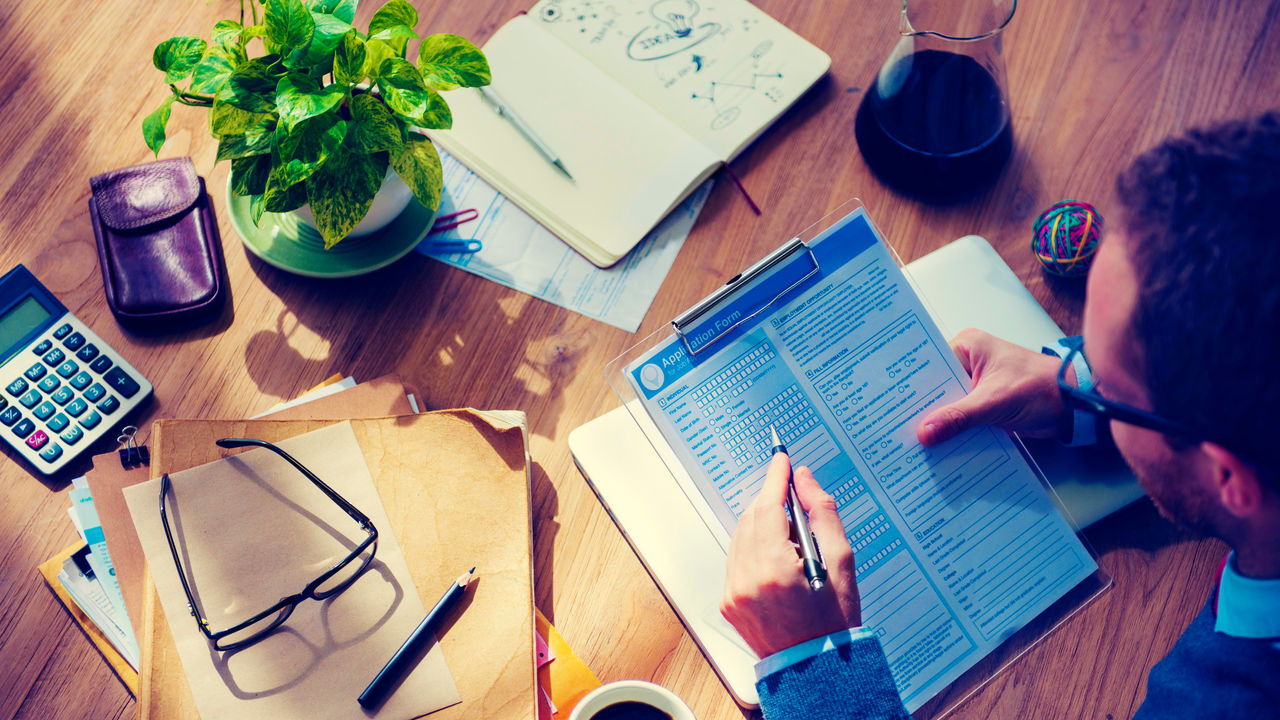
(323, 111)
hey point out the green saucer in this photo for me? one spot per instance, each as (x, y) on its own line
(282, 241)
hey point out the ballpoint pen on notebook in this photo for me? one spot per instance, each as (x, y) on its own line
(501, 107)
(814, 570)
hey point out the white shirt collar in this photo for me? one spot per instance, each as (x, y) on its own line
(1247, 607)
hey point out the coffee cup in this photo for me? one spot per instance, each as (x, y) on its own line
(631, 700)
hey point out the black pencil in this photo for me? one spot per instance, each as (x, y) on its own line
(400, 663)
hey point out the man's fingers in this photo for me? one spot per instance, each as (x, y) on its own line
(774, 490)
(824, 520)
(976, 408)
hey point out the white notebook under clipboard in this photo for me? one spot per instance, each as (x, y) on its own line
(827, 340)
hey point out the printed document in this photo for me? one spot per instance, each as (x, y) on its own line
(957, 546)
(525, 256)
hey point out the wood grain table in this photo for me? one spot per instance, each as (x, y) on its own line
(1091, 83)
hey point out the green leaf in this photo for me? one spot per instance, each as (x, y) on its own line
(256, 206)
(154, 124)
(252, 86)
(279, 197)
(376, 53)
(177, 57)
(227, 119)
(394, 23)
(342, 190)
(418, 164)
(249, 175)
(328, 35)
(299, 97)
(214, 69)
(373, 127)
(289, 24)
(344, 10)
(226, 33)
(408, 96)
(348, 60)
(298, 152)
(448, 61)
(256, 141)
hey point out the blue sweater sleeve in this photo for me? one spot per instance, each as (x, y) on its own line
(846, 682)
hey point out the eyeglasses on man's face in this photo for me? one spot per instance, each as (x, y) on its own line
(330, 583)
(1092, 402)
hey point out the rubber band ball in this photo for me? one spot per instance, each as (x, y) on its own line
(1065, 238)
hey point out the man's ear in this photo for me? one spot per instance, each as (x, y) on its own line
(1235, 482)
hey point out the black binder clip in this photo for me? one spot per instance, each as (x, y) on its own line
(131, 453)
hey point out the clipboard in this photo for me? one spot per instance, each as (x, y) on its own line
(715, 341)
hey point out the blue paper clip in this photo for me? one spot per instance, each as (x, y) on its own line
(454, 246)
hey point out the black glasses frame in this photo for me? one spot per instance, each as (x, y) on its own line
(1092, 402)
(285, 606)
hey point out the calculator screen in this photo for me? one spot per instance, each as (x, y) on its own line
(20, 320)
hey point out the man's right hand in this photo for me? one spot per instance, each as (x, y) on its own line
(1013, 388)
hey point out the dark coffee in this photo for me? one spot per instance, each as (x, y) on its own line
(944, 129)
(630, 710)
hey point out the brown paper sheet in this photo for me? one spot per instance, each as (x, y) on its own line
(456, 490)
(251, 529)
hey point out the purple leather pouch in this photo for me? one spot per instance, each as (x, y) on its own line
(158, 245)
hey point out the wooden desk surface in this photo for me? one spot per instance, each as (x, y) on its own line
(1091, 84)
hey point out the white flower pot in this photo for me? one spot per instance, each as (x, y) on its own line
(392, 198)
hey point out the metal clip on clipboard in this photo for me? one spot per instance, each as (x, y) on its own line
(778, 259)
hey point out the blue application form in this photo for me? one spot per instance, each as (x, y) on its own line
(957, 546)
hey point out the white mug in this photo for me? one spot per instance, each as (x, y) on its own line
(635, 691)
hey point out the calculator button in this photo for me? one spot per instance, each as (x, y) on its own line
(81, 381)
(68, 368)
(17, 387)
(88, 352)
(62, 332)
(101, 364)
(49, 384)
(31, 399)
(91, 420)
(24, 427)
(54, 356)
(44, 410)
(94, 392)
(43, 347)
(3, 402)
(10, 415)
(121, 382)
(51, 452)
(77, 407)
(37, 439)
(58, 422)
(72, 435)
(74, 341)
(109, 405)
(35, 372)
(62, 395)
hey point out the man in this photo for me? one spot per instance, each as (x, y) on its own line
(1182, 330)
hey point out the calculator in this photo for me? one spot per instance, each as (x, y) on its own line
(64, 387)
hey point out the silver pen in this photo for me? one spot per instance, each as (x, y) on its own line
(501, 107)
(815, 571)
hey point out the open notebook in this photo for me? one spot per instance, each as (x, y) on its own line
(641, 100)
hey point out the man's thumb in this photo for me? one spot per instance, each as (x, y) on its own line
(950, 420)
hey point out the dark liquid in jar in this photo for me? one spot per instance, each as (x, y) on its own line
(943, 130)
(630, 710)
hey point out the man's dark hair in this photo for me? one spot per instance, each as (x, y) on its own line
(1202, 213)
